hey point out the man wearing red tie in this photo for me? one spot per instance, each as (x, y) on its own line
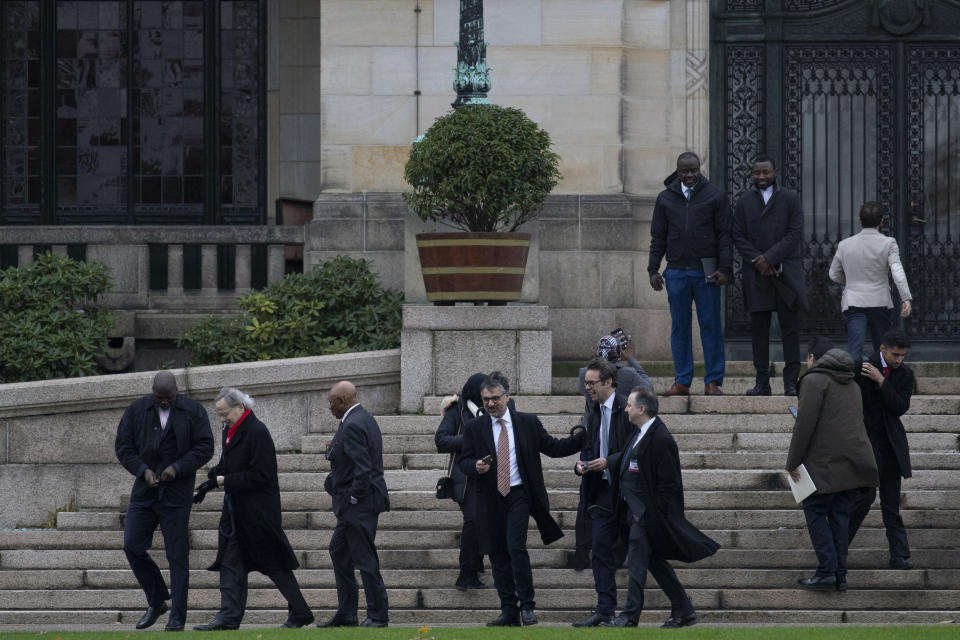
(886, 385)
(501, 450)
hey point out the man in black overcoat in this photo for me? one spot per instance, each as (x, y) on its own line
(886, 386)
(650, 510)
(768, 233)
(251, 536)
(510, 443)
(359, 493)
(608, 429)
(162, 440)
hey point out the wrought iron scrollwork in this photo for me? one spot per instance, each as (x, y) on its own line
(744, 5)
(809, 5)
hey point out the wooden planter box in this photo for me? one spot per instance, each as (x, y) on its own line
(478, 267)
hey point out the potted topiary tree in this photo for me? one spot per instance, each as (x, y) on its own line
(486, 170)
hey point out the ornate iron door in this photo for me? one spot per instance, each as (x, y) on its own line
(858, 100)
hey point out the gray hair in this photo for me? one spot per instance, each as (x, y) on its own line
(494, 380)
(235, 398)
(646, 398)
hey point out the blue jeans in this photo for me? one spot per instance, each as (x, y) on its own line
(879, 319)
(684, 288)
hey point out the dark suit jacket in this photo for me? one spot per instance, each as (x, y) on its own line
(620, 431)
(774, 230)
(449, 439)
(356, 464)
(194, 446)
(652, 497)
(530, 440)
(249, 469)
(883, 406)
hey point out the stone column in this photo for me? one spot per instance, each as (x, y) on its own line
(174, 269)
(443, 346)
(242, 270)
(698, 78)
(208, 269)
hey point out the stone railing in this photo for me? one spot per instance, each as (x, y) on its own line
(57, 436)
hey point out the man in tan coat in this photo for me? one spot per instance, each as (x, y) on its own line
(830, 440)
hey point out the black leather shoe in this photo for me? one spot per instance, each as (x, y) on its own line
(761, 389)
(620, 621)
(151, 614)
(338, 622)
(581, 560)
(463, 584)
(897, 562)
(819, 583)
(505, 620)
(594, 620)
(216, 625)
(789, 389)
(174, 624)
(528, 617)
(296, 623)
(675, 622)
(841, 582)
(376, 624)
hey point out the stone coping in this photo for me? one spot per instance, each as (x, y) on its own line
(167, 234)
(473, 318)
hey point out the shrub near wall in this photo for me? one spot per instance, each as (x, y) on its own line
(50, 325)
(338, 307)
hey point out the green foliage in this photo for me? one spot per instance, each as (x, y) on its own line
(481, 168)
(337, 307)
(50, 326)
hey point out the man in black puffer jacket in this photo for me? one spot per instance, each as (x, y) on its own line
(691, 226)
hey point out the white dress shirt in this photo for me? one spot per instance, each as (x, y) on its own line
(643, 431)
(767, 194)
(514, 469)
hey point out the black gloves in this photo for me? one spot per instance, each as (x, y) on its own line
(202, 490)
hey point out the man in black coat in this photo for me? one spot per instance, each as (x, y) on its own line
(510, 443)
(251, 531)
(886, 385)
(162, 439)
(768, 232)
(608, 429)
(359, 496)
(650, 510)
(691, 226)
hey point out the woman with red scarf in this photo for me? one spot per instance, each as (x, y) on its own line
(251, 535)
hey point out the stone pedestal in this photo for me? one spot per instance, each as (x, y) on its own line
(443, 346)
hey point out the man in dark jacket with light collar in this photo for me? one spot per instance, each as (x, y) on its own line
(691, 226)
(162, 440)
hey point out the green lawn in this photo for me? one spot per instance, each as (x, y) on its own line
(534, 633)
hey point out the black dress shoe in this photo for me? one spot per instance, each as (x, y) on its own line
(841, 582)
(336, 621)
(594, 620)
(463, 584)
(151, 614)
(528, 617)
(789, 389)
(216, 625)
(581, 559)
(819, 583)
(174, 624)
(761, 389)
(505, 620)
(376, 624)
(620, 621)
(896, 562)
(675, 622)
(296, 623)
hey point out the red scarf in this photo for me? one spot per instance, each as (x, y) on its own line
(233, 429)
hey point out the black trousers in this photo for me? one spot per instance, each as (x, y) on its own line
(509, 559)
(352, 548)
(604, 533)
(789, 332)
(640, 559)
(140, 523)
(471, 561)
(828, 521)
(889, 470)
(234, 571)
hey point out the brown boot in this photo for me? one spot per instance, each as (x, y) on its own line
(712, 389)
(678, 390)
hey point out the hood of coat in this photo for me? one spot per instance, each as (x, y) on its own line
(836, 363)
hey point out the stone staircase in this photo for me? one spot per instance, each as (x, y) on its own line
(732, 450)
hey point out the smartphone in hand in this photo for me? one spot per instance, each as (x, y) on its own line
(487, 460)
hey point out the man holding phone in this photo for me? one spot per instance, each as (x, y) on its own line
(501, 450)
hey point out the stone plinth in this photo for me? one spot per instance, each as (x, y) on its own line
(443, 346)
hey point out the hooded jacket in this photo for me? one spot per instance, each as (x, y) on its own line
(688, 230)
(829, 437)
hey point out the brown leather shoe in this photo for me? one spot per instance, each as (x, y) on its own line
(678, 390)
(712, 389)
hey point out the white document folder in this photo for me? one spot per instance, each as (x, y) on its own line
(804, 487)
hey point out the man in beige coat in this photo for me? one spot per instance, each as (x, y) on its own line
(830, 440)
(860, 265)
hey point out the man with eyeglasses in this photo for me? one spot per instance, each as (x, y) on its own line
(501, 450)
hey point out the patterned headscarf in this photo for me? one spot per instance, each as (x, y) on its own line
(609, 347)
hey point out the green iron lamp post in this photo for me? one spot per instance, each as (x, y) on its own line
(472, 78)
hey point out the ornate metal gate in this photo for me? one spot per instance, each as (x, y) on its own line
(859, 100)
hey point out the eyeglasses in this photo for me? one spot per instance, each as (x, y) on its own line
(487, 399)
(592, 383)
